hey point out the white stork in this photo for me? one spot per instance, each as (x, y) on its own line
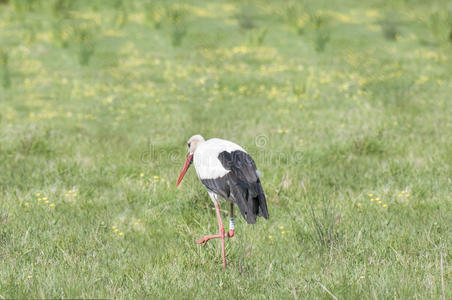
(228, 172)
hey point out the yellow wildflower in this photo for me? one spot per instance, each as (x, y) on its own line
(156, 177)
(38, 194)
(384, 205)
(121, 233)
(141, 174)
(52, 205)
(370, 194)
(281, 227)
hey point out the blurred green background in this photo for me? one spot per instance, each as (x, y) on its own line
(345, 106)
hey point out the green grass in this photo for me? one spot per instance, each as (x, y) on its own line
(335, 101)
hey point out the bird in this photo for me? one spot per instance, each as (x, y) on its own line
(228, 173)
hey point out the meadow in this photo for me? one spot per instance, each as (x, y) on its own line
(345, 106)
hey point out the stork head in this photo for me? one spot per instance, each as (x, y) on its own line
(192, 144)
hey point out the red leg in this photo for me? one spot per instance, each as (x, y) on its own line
(230, 234)
(221, 234)
(221, 229)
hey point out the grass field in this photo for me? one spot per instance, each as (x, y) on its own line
(345, 106)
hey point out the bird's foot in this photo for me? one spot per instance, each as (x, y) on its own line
(202, 240)
(206, 238)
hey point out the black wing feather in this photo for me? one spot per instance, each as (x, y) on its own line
(243, 185)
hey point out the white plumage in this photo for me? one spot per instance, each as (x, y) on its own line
(206, 161)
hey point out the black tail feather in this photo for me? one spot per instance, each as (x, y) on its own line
(262, 201)
(251, 201)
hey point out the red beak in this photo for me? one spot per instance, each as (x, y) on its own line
(186, 165)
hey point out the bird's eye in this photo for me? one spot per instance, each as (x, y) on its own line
(188, 145)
